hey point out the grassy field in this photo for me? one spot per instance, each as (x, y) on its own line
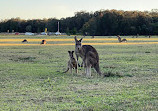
(31, 76)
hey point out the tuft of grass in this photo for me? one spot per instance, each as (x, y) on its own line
(112, 74)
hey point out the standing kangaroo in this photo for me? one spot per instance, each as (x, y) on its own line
(89, 56)
(72, 63)
(77, 53)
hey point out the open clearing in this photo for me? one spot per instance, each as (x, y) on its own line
(31, 75)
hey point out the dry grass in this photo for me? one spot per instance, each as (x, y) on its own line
(70, 41)
(95, 39)
(67, 44)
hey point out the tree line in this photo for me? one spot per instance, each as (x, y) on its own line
(101, 23)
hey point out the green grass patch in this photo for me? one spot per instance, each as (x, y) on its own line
(31, 79)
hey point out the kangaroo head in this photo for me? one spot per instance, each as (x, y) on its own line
(71, 54)
(78, 43)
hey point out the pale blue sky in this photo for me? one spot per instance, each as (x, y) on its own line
(39, 9)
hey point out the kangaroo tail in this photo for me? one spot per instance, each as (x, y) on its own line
(66, 70)
(97, 69)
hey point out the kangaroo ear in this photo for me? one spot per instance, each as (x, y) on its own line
(81, 40)
(69, 51)
(72, 52)
(75, 38)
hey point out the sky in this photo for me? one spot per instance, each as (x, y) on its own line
(39, 9)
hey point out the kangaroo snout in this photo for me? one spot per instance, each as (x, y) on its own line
(78, 48)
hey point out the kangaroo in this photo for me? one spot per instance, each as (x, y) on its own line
(24, 41)
(72, 63)
(119, 39)
(43, 42)
(77, 52)
(89, 56)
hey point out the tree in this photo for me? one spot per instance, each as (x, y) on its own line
(102, 22)
(28, 28)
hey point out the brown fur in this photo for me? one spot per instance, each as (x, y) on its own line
(72, 63)
(89, 56)
(43, 42)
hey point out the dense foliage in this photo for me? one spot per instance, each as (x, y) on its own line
(103, 22)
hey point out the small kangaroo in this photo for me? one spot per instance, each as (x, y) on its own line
(89, 56)
(119, 39)
(24, 41)
(72, 63)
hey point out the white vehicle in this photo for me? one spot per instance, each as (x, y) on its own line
(29, 33)
(43, 33)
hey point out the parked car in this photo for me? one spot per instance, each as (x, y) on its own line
(43, 33)
(29, 33)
